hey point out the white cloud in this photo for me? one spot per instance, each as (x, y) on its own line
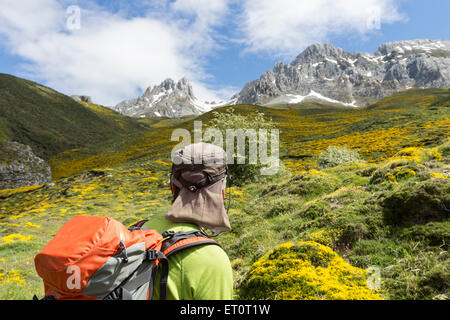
(285, 27)
(122, 49)
(112, 56)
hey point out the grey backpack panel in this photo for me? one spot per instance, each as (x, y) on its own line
(115, 271)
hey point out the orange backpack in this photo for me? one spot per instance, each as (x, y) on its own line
(99, 258)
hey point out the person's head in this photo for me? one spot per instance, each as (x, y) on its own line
(198, 183)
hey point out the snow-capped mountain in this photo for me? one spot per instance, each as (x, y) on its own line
(326, 72)
(169, 99)
(321, 71)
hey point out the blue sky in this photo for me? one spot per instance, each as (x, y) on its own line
(121, 47)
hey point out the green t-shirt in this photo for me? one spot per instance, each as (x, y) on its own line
(197, 273)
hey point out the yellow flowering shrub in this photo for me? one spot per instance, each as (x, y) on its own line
(397, 170)
(8, 192)
(12, 276)
(15, 237)
(325, 237)
(305, 270)
(432, 154)
(410, 154)
(437, 175)
(32, 225)
(418, 154)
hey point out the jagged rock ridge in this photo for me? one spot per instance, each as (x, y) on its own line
(353, 78)
(169, 99)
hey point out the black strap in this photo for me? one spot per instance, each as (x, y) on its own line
(164, 277)
(137, 226)
(193, 187)
(35, 298)
(171, 238)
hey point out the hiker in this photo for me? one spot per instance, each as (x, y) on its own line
(198, 188)
(94, 257)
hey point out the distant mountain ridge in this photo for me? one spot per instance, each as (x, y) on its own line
(353, 78)
(320, 72)
(169, 99)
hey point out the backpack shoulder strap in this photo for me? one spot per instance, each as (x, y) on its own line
(177, 241)
(138, 225)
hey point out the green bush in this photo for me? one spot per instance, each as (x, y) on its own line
(395, 171)
(277, 206)
(433, 233)
(306, 185)
(417, 203)
(444, 149)
(315, 210)
(335, 156)
(242, 173)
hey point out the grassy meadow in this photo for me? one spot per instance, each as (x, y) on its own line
(309, 232)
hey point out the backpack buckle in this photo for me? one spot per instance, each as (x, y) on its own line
(168, 234)
(124, 251)
(151, 255)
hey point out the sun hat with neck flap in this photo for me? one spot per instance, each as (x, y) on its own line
(198, 180)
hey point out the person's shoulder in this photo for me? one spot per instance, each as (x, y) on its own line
(207, 255)
(159, 223)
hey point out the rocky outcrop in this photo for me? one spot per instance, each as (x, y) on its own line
(354, 78)
(86, 99)
(20, 167)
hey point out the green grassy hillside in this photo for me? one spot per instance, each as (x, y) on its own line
(310, 232)
(51, 122)
(414, 118)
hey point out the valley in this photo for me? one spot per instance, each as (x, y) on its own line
(389, 211)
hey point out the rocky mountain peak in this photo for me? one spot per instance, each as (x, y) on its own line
(169, 86)
(168, 99)
(411, 46)
(317, 52)
(356, 78)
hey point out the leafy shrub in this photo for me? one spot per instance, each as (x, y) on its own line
(335, 156)
(276, 206)
(433, 233)
(444, 149)
(431, 154)
(306, 184)
(367, 171)
(305, 270)
(326, 237)
(228, 119)
(417, 203)
(315, 209)
(397, 170)
(353, 229)
(411, 154)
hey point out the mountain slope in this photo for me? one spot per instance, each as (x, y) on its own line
(415, 117)
(354, 78)
(51, 122)
(390, 212)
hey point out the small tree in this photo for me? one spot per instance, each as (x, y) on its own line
(335, 156)
(241, 168)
